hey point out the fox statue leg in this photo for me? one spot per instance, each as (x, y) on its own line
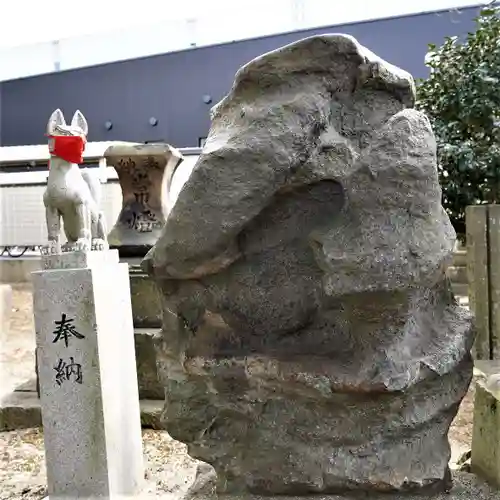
(83, 243)
(98, 225)
(53, 218)
(99, 238)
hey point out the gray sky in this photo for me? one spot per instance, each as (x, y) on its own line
(31, 21)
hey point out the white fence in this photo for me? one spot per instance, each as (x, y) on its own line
(23, 213)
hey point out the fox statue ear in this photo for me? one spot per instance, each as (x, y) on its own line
(80, 122)
(56, 119)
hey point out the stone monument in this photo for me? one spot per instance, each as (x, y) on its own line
(84, 336)
(311, 343)
(71, 193)
(145, 172)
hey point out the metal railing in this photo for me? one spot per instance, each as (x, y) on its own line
(18, 251)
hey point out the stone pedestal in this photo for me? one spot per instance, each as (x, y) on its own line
(145, 360)
(145, 173)
(485, 456)
(88, 385)
(147, 318)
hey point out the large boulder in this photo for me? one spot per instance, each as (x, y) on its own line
(311, 342)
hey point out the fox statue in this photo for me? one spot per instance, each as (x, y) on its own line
(71, 194)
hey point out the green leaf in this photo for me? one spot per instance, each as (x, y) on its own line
(462, 99)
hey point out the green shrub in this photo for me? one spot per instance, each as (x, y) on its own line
(461, 97)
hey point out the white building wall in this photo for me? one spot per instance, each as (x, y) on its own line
(243, 20)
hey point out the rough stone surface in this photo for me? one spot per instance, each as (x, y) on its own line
(465, 487)
(311, 343)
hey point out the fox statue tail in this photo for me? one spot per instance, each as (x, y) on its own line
(94, 184)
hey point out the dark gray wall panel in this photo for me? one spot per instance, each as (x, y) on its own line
(171, 87)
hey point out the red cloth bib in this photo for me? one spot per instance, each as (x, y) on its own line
(67, 147)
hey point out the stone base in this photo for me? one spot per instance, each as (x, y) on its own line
(485, 456)
(21, 410)
(465, 487)
(79, 260)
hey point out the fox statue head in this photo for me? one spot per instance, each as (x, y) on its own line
(67, 141)
(56, 126)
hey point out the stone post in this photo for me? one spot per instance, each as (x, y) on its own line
(88, 384)
(145, 173)
(457, 273)
(483, 265)
(5, 307)
(485, 449)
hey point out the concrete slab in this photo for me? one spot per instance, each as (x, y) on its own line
(466, 487)
(485, 455)
(18, 270)
(21, 410)
(486, 368)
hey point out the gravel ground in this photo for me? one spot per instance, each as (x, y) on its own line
(169, 469)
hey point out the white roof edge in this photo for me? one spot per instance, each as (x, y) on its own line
(40, 152)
